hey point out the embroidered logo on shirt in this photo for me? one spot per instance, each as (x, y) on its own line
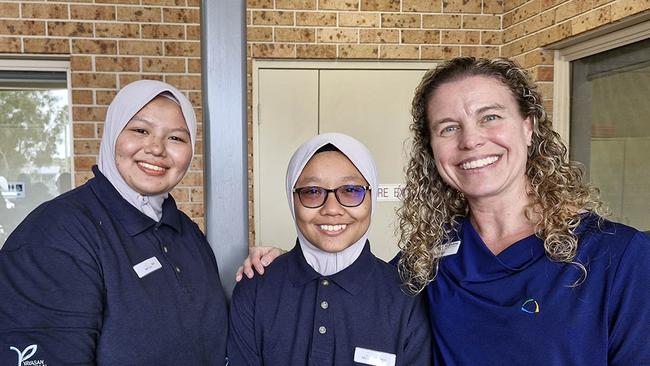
(26, 354)
(530, 306)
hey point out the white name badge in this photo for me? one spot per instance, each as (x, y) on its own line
(375, 358)
(147, 266)
(451, 248)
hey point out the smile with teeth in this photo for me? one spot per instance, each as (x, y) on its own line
(150, 166)
(474, 164)
(333, 228)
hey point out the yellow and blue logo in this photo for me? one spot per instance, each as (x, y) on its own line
(530, 306)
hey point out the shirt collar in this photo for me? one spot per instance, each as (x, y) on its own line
(474, 262)
(352, 279)
(134, 221)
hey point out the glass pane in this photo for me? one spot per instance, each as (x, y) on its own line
(610, 128)
(35, 152)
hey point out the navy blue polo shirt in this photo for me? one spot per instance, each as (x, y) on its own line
(294, 316)
(520, 308)
(70, 294)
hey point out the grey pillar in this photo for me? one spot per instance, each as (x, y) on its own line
(223, 47)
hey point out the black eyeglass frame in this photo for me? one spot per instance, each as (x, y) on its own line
(366, 189)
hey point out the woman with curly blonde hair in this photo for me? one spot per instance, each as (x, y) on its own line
(506, 239)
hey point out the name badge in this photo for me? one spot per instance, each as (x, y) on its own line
(451, 248)
(147, 266)
(375, 358)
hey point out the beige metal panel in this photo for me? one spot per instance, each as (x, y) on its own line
(374, 107)
(287, 116)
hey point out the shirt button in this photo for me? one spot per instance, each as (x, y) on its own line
(165, 248)
(178, 269)
(324, 305)
(325, 282)
(322, 330)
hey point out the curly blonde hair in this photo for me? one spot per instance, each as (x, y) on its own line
(431, 209)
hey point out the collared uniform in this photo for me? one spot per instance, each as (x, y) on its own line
(68, 286)
(520, 308)
(294, 316)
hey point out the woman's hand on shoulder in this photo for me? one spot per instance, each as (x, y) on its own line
(258, 258)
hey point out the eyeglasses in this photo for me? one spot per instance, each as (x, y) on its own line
(348, 195)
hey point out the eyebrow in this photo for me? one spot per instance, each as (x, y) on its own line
(150, 123)
(495, 106)
(315, 180)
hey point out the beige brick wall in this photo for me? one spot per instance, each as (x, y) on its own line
(530, 26)
(110, 43)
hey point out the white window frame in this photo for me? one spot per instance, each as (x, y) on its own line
(56, 65)
(571, 50)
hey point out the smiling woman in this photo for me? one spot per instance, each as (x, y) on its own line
(537, 276)
(329, 301)
(129, 278)
(154, 150)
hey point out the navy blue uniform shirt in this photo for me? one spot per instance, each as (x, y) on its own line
(520, 308)
(294, 316)
(70, 294)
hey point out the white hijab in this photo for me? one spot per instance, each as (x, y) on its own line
(323, 262)
(126, 104)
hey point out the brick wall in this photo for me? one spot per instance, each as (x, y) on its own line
(111, 43)
(529, 26)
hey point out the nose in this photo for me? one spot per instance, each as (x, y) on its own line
(155, 146)
(471, 138)
(331, 206)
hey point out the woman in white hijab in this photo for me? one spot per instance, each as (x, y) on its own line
(113, 272)
(329, 300)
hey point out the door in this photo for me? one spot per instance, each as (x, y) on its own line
(371, 105)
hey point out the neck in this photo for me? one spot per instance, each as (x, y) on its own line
(502, 223)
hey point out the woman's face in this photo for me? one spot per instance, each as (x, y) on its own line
(154, 150)
(332, 227)
(478, 138)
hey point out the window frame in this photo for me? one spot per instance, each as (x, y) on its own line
(570, 50)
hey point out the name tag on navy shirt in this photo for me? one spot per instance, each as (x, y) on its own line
(450, 248)
(375, 358)
(147, 266)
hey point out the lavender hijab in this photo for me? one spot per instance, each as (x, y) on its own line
(126, 104)
(323, 262)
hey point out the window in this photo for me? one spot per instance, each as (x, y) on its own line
(610, 127)
(35, 138)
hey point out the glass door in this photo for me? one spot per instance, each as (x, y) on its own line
(610, 128)
(35, 143)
